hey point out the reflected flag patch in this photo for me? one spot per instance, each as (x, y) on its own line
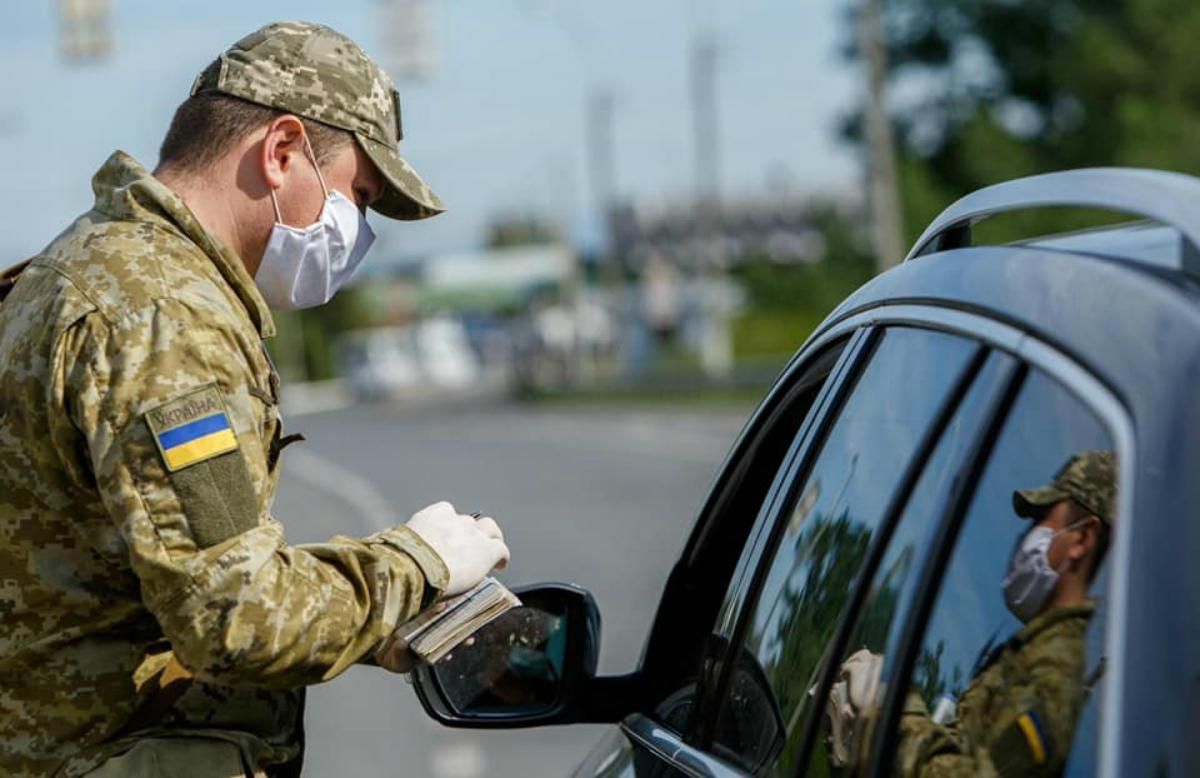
(192, 428)
(1031, 727)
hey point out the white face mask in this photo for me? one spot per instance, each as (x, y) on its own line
(304, 267)
(1031, 580)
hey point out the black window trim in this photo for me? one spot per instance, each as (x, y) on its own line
(891, 518)
(837, 387)
(747, 580)
(678, 599)
(1112, 413)
(767, 534)
(929, 576)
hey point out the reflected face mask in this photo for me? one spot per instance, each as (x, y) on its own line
(305, 267)
(1031, 580)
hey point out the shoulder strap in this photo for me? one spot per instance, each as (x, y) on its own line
(8, 279)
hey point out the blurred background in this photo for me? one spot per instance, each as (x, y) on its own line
(651, 206)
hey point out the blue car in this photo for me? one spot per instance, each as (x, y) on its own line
(954, 539)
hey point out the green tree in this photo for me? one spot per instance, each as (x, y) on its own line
(1015, 87)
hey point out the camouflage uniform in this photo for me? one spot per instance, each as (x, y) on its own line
(146, 591)
(1018, 715)
(1034, 680)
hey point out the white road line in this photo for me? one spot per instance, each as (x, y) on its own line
(347, 486)
(463, 759)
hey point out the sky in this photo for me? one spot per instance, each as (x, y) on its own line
(499, 128)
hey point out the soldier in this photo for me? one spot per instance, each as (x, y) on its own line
(1017, 717)
(153, 620)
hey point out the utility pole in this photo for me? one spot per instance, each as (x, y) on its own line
(602, 168)
(716, 344)
(704, 117)
(887, 227)
(602, 164)
(85, 30)
(409, 50)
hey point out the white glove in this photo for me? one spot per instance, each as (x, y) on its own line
(851, 699)
(861, 674)
(470, 547)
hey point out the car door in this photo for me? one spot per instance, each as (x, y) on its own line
(858, 444)
(920, 612)
(828, 528)
(972, 688)
(746, 487)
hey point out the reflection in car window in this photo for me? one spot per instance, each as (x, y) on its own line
(827, 529)
(855, 697)
(741, 491)
(1004, 666)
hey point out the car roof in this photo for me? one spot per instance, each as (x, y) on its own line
(1122, 314)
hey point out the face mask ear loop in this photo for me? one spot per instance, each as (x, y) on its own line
(313, 157)
(275, 202)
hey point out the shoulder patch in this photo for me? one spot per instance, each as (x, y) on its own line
(1024, 747)
(192, 428)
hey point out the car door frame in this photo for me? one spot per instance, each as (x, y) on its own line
(1098, 398)
(641, 729)
(1113, 414)
(767, 535)
(688, 753)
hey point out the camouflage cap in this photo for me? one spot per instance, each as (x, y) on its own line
(313, 71)
(1088, 478)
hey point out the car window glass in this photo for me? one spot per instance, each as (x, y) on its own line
(842, 737)
(824, 533)
(1011, 649)
(741, 491)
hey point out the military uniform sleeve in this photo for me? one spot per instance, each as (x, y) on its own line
(160, 400)
(1031, 734)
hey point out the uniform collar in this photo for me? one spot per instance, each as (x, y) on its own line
(124, 190)
(1046, 620)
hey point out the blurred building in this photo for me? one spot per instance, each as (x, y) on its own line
(778, 229)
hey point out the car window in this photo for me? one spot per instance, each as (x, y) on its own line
(842, 737)
(1013, 644)
(674, 660)
(823, 535)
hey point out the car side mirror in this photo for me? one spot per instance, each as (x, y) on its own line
(527, 668)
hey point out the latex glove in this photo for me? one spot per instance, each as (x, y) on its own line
(850, 700)
(470, 547)
(861, 673)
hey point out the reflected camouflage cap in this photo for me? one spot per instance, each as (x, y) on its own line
(1089, 478)
(313, 71)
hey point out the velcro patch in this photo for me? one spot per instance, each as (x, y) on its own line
(192, 428)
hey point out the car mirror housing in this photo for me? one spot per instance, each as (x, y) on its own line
(530, 667)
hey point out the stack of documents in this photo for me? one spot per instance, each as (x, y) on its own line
(440, 629)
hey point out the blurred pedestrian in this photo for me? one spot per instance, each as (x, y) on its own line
(155, 621)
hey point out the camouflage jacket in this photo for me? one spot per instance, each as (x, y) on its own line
(145, 588)
(1017, 717)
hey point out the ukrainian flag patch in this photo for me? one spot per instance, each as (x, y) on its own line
(192, 428)
(1031, 728)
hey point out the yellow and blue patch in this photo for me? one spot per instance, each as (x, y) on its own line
(192, 428)
(1031, 726)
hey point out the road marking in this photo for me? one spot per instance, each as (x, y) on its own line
(347, 486)
(463, 759)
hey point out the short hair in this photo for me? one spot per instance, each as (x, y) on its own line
(208, 125)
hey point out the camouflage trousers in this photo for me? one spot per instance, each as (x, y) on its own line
(184, 757)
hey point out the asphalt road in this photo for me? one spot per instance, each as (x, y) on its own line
(602, 498)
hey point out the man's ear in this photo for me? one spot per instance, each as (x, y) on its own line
(282, 145)
(1089, 538)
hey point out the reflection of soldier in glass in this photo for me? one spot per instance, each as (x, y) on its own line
(515, 660)
(1018, 715)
